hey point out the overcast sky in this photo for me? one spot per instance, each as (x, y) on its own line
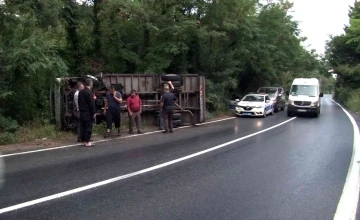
(319, 18)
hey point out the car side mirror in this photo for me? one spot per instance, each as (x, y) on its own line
(280, 95)
(237, 100)
(287, 93)
(267, 101)
(321, 94)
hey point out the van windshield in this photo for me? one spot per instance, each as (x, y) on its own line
(309, 90)
(270, 91)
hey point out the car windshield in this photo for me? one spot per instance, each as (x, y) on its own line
(308, 90)
(253, 98)
(270, 91)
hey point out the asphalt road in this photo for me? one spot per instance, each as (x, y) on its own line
(296, 170)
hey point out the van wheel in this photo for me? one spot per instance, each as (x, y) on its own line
(289, 114)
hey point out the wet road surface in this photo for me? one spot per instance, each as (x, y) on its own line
(295, 170)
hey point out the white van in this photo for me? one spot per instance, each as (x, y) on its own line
(304, 97)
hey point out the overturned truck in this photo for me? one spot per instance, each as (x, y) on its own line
(188, 88)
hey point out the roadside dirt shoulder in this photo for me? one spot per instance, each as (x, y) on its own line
(68, 139)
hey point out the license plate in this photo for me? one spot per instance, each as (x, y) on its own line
(246, 113)
(302, 110)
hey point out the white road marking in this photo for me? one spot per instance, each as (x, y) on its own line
(106, 140)
(346, 209)
(105, 182)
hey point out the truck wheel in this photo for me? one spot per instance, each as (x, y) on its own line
(176, 116)
(175, 83)
(171, 77)
(177, 123)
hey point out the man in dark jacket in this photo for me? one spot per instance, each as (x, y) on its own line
(167, 108)
(87, 112)
(161, 119)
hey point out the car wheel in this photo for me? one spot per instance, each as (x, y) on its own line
(272, 111)
(289, 114)
(264, 115)
(283, 108)
(276, 108)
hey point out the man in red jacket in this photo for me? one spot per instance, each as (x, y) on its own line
(134, 106)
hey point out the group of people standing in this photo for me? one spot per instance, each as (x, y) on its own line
(84, 100)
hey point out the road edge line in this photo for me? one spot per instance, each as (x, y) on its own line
(106, 140)
(347, 206)
(136, 173)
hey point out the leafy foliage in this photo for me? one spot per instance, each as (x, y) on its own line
(343, 54)
(238, 45)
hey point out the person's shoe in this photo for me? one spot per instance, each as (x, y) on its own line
(89, 144)
(171, 131)
(79, 140)
(139, 132)
(131, 132)
(165, 132)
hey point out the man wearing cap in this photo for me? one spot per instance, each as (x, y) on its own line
(167, 108)
(161, 119)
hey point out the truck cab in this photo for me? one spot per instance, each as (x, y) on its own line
(304, 97)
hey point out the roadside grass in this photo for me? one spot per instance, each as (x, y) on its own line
(348, 97)
(34, 131)
(353, 103)
(31, 132)
(218, 114)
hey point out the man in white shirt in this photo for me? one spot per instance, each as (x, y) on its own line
(79, 87)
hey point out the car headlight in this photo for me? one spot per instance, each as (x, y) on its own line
(314, 103)
(259, 106)
(291, 102)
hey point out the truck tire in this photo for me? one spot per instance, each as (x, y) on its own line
(171, 77)
(175, 83)
(176, 116)
(177, 123)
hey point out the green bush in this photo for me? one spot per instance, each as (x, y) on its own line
(353, 101)
(342, 94)
(7, 138)
(7, 124)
